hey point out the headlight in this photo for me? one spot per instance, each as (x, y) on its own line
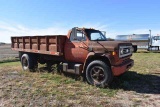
(124, 51)
(121, 51)
(127, 50)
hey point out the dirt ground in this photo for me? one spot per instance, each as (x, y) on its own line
(18, 89)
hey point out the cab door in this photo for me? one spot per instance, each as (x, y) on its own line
(76, 47)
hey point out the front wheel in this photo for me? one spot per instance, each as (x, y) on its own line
(98, 73)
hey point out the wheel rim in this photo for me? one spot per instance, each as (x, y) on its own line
(24, 62)
(97, 74)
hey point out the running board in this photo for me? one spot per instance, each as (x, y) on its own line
(77, 69)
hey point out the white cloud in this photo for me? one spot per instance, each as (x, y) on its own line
(7, 30)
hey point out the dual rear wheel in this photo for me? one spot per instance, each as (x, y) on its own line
(29, 62)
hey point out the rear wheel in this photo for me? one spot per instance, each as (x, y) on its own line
(29, 63)
(98, 73)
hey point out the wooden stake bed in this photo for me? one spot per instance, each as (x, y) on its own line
(49, 44)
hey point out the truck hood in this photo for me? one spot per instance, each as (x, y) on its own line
(107, 45)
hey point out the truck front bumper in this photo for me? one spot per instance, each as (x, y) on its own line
(120, 69)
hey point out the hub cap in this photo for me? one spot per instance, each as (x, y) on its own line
(25, 62)
(97, 74)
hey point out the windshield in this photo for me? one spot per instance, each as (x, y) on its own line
(95, 35)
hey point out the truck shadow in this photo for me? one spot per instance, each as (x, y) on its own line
(129, 81)
(141, 83)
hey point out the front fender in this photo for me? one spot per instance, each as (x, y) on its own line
(96, 56)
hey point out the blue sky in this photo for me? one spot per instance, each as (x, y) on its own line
(40, 17)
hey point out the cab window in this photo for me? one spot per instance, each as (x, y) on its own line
(80, 36)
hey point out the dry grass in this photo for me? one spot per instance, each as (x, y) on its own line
(20, 88)
(146, 63)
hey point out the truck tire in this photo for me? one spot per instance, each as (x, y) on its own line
(28, 62)
(134, 48)
(99, 74)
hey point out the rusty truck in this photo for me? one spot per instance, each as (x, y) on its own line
(83, 51)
